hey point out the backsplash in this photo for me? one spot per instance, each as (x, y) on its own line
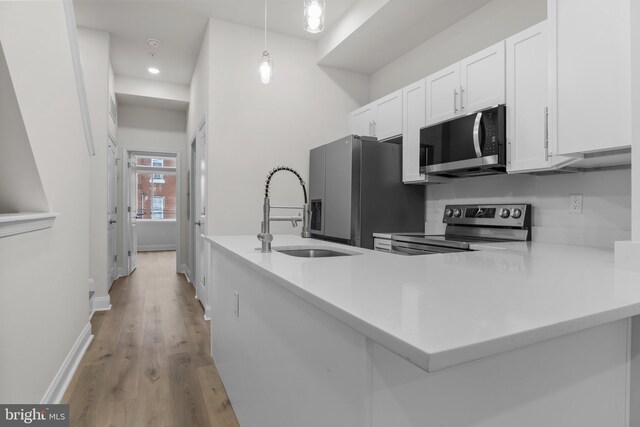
(606, 216)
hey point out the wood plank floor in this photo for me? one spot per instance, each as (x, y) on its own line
(149, 363)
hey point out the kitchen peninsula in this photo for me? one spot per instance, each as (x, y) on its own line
(510, 334)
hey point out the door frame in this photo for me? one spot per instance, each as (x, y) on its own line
(194, 215)
(117, 227)
(127, 153)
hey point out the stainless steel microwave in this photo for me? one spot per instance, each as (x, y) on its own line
(471, 145)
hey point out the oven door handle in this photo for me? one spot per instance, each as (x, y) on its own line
(476, 135)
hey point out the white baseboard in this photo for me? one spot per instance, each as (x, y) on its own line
(184, 268)
(122, 272)
(152, 248)
(101, 303)
(62, 379)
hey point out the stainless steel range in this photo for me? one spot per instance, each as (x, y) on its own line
(467, 225)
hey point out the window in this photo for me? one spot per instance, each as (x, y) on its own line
(157, 178)
(157, 207)
(156, 192)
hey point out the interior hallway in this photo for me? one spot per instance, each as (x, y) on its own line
(149, 363)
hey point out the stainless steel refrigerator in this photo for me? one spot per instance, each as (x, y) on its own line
(356, 189)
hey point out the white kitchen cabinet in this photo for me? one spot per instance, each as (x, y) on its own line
(414, 117)
(482, 77)
(529, 148)
(475, 83)
(361, 121)
(381, 118)
(389, 116)
(590, 75)
(443, 94)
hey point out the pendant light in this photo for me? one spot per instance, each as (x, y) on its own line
(265, 69)
(314, 15)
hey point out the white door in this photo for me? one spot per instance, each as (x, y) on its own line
(443, 94)
(482, 79)
(199, 172)
(414, 99)
(361, 121)
(388, 122)
(132, 234)
(527, 103)
(112, 211)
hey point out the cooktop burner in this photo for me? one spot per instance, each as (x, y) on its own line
(469, 224)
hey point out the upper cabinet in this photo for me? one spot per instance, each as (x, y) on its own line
(414, 102)
(482, 79)
(381, 118)
(443, 94)
(529, 148)
(590, 87)
(361, 121)
(475, 83)
(389, 121)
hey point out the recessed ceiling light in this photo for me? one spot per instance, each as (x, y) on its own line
(153, 70)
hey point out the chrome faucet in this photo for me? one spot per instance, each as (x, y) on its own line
(265, 236)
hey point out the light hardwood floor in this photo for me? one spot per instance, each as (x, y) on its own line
(149, 363)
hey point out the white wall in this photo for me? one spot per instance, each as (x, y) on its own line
(44, 302)
(94, 52)
(146, 128)
(151, 89)
(488, 25)
(607, 203)
(199, 89)
(156, 235)
(255, 127)
(20, 186)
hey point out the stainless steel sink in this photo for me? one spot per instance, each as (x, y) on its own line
(313, 252)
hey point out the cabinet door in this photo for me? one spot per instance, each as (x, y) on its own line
(591, 67)
(388, 123)
(528, 147)
(414, 100)
(527, 100)
(443, 94)
(361, 121)
(482, 79)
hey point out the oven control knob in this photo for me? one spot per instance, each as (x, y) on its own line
(516, 213)
(504, 213)
(457, 213)
(448, 213)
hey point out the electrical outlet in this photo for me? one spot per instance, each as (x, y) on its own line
(575, 203)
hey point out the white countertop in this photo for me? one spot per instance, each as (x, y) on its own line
(441, 310)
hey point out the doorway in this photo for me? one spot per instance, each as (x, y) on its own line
(153, 200)
(198, 216)
(112, 212)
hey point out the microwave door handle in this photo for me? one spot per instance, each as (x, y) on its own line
(476, 135)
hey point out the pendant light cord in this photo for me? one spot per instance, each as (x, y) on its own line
(265, 25)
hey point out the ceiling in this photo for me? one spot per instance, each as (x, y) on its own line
(389, 30)
(180, 26)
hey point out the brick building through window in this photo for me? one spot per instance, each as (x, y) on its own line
(156, 189)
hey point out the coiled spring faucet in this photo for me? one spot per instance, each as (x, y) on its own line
(265, 236)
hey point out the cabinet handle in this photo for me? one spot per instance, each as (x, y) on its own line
(455, 100)
(546, 134)
(375, 129)
(461, 98)
(370, 129)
